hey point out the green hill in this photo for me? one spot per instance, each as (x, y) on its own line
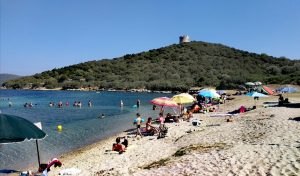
(5, 77)
(175, 67)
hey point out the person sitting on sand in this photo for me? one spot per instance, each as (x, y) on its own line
(187, 115)
(213, 109)
(280, 100)
(120, 147)
(196, 108)
(151, 130)
(161, 119)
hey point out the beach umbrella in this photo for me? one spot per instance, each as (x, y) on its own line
(164, 101)
(257, 83)
(255, 94)
(16, 129)
(287, 89)
(220, 92)
(183, 98)
(249, 84)
(267, 90)
(209, 94)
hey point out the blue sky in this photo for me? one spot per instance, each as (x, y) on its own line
(39, 35)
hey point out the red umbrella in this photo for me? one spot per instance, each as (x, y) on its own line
(267, 90)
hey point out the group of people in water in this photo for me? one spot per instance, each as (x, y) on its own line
(75, 104)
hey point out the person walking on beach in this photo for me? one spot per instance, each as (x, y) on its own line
(138, 122)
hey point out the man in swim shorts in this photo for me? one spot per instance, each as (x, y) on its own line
(138, 124)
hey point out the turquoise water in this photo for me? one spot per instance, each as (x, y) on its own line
(81, 126)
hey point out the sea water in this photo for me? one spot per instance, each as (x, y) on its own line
(80, 126)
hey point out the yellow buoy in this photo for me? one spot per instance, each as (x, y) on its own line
(59, 128)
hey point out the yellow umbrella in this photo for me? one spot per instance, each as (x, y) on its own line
(183, 98)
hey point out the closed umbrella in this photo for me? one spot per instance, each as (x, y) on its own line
(183, 98)
(16, 129)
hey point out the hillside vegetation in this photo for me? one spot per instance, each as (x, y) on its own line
(175, 67)
(5, 77)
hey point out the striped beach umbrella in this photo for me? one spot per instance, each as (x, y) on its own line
(164, 101)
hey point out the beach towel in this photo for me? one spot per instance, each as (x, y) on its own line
(69, 171)
(222, 115)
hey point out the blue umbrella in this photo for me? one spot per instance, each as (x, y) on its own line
(287, 89)
(209, 94)
(255, 94)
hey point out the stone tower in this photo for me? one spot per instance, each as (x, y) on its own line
(184, 39)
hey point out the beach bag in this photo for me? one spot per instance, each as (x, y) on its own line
(196, 122)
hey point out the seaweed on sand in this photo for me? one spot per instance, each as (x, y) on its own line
(157, 164)
(199, 148)
(186, 150)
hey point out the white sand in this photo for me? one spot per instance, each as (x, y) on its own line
(259, 142)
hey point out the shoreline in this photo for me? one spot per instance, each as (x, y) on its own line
(216, 147)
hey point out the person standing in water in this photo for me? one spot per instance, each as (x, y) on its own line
(138, 103)
(90, 103)
(121, 103)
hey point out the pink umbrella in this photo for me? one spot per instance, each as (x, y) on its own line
(164, 101)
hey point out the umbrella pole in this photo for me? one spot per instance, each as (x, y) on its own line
(38, 153)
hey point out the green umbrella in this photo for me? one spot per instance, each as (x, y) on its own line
(16, 129)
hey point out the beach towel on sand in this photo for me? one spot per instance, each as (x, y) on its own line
(222, 115)
(69, 171)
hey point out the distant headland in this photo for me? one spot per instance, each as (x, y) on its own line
(172, 68)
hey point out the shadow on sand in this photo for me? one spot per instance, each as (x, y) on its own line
(8, 171)
(288, 105)
(295, 119)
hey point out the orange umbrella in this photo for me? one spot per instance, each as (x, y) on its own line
(267, 90)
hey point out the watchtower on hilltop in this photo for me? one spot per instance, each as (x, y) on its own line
(184, 39)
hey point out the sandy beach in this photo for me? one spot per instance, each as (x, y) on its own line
(264, 141)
